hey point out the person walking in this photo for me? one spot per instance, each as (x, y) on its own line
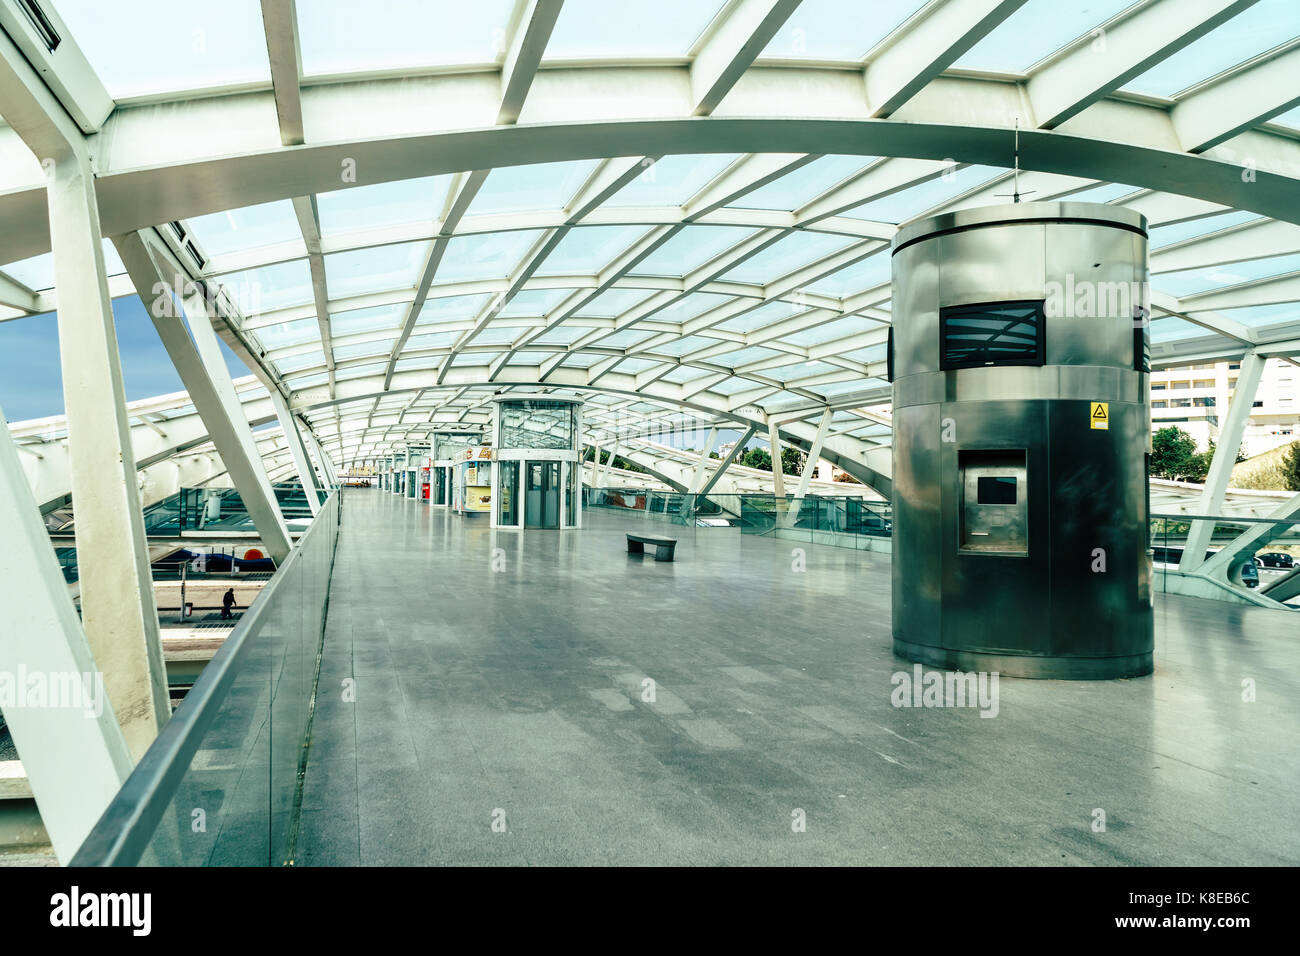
(227, 602)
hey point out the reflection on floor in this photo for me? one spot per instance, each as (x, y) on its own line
(520, 697)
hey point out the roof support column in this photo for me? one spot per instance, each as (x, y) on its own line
(299, 452)
(1225, 456)
(732, 455)
(778, 477)
(810, 465)
(117, 599)
(75, 756)
(609, 463)
(698, 478)
(203, 372)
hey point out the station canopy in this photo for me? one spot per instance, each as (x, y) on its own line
(402, 208)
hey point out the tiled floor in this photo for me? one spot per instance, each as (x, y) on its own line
(500, 676)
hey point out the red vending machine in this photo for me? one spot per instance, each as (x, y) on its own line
(424, 479)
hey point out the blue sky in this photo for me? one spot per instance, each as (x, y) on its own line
(31, 381)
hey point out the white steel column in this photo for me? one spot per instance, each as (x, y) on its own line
(609, 464)
(206, 378)
(1225, 456)
(117, 598)
(778, 477)
(326, 463)
(300, 460)
(75, 758)
(809, 466)
(732, 455)
(698, 478)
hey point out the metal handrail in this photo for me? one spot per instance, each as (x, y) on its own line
(127, 825)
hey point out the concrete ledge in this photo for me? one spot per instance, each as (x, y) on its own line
(13, 781)
(1195, 584)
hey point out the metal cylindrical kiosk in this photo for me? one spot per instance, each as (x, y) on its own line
(1021, 436)
(538, 467)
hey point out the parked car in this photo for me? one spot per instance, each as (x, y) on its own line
(1250, 574)
(1275, 559)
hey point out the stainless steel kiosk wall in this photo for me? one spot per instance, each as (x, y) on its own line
(1021, 438)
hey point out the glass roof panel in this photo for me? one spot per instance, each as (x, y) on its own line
(830, 331)
(296, 363)
(1170, 329)
(287, 334)
(37, 273)
(765, 314)
(1255, 30)
(367, 320)
(804, 184)
(912, 202)
(337, 36)
(786, 255)
(689, 343)
(697, 303)
(361, 371)
(246, 228)
(375, 269)
(122, 41)
(530, 188)
(625, 339)
(379, 347)
(499, 335)
(1037, 29)
(383, 204)
(614, 302)
(562, 335)
(488, 256)
(1178, 232)
(450, 308)
(671, 181)
(744, 356)
(1194, 281)
(867, 274)
(268, 288)
(838, 29)
(691, 248)
(430, 340)
(1106, 192)
(1289, 118)
(586, 250)
(598, 28)
(1262, 315)
(534, 302)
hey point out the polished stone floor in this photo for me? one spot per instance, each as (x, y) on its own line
(499, 677)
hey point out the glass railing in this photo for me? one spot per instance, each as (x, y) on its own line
(221, 784)
(845, 521)
(219, 509)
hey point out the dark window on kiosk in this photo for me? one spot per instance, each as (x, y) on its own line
(996, 490)
(889, 357)
(992, 333)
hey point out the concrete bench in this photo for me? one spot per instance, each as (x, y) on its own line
(664, 547)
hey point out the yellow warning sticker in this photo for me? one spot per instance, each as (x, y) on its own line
(1099, 416)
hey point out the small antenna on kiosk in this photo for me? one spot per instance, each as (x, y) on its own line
(1015, 174)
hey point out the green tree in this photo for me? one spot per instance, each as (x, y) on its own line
(1291, 467)
(756, 458)
(1173, 453)
(791, 461)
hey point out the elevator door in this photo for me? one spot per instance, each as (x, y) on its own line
(542, 501)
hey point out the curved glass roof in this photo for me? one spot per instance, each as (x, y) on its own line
(697, 274)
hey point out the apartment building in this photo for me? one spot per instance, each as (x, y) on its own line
(1196, 397)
